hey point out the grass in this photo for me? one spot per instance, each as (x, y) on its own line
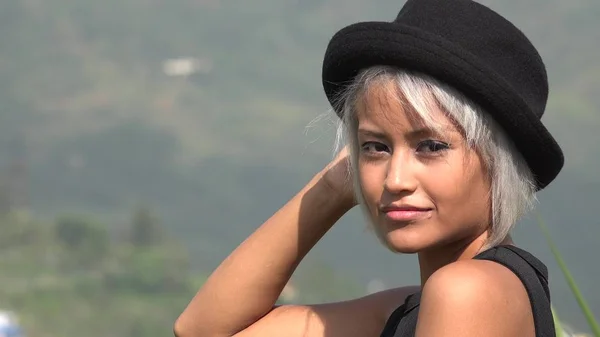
(592, 322)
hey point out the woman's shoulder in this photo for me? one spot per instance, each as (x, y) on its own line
(466, 277)
(473, 293)
(492, 272)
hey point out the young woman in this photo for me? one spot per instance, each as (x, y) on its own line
(440, 113)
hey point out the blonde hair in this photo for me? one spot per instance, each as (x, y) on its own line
(512, 183)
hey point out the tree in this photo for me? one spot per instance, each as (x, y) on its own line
(86, 242)
(146, 229)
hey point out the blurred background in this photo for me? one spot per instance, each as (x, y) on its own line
(142, 140)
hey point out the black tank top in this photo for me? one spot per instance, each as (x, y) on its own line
(531, 271)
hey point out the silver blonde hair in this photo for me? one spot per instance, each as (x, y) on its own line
(512, 184)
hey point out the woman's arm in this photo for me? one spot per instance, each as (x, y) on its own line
(245, 287)
(362, 317)
(248, 282)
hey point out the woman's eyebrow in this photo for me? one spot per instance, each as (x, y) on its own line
(371, 133)
(414, 134)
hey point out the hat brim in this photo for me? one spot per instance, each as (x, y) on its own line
(366, 44)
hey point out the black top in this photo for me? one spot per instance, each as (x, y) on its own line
(531, 271)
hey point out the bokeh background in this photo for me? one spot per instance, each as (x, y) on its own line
(142, 140)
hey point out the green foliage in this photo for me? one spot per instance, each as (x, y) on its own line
(572, 284)
(146, 228)
(557, 324)
(82, 235)
(149, 270)
(318, 282)
(74, 275)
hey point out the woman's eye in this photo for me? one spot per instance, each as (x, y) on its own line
(432, 146)
(373, 147)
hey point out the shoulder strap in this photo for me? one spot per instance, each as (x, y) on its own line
(392, 323)
(403, 321)
(534, 276)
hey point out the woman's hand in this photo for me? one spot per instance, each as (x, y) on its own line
(337, 177)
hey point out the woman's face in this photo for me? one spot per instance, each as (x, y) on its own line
(422, 189)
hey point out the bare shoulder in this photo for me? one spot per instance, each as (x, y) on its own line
(474, 298)
(364, 316)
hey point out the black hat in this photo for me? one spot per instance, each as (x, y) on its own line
(468, 46)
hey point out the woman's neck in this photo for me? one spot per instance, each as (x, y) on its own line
(432, 260)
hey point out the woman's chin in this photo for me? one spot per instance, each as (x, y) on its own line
(406, 242)
(403, 249)
(404, 246)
